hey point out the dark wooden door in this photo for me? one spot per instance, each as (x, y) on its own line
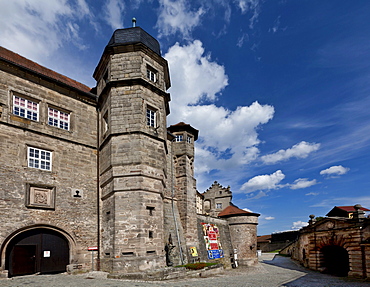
(38, 250)
(25, 254)
(54, 254)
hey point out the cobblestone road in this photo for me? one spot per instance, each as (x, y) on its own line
(278, 271)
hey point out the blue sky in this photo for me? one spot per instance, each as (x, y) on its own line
(279, 90)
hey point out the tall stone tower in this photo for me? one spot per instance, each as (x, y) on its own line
(132, 79)
(185, 185)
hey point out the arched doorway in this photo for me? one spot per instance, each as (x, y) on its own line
(335, 260)
(38, 250)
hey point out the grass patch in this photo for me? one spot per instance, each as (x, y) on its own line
(197, 266)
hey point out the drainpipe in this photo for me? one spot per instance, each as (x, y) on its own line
(98, 189)
(173, 208)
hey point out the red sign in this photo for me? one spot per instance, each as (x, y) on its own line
(93, 248)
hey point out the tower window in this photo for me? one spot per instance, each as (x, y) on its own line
(105, 125)
(179, 138)
(151, 117)
(58, 119)
(150, 234)
(151, 74)
(25, 108)
(188, 139)
(218, 205)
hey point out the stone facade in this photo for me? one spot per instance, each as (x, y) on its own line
(335, 245)
(98, 169)
(216, 198)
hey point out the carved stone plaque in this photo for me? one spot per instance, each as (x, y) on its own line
(42, 197)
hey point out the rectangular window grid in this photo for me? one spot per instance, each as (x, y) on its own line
(38, 158)
(151, 75)
(179, 138)
(188, 139)
(25, 108)
(58, 119)
(150, 117)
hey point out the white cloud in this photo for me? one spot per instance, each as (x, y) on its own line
(300, 150)
(194, 76)
(246, 209)
(250, 5)
(176, 16)
(312, 193)
(37, 28)
(228, 138)
(263, 182)
(299, 224)
(302, 183)
(269, 218)
(113, 11)
(335, 170)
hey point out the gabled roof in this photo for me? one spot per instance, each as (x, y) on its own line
(232, 210)
(27, 64)
(338, 210)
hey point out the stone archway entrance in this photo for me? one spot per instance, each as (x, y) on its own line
(38, 250)
(335, 260)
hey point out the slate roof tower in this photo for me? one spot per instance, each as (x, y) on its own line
(132, 79)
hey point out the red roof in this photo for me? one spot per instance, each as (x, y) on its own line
(233, 210)
(264, 238)
(17, 59)
(351, 208)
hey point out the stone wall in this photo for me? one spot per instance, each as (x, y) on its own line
(225, 238)
(346, 235)
(216, 198)
(74, 161)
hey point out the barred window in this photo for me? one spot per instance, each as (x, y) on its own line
(38, 158)
(58, 119)
(25, 108)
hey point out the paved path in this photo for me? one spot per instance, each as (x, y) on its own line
(278, 271)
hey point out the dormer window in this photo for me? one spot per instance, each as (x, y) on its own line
(151, 74)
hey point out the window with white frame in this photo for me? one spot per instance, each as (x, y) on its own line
(179, 138)
(188, 139)
(218, 205)
(151, 116)
(151, 74)
(39, 158)
(58, 119)
(25, 108)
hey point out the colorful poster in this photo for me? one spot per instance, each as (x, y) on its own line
(212, 239)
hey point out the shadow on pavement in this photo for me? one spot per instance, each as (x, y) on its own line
(312, 278)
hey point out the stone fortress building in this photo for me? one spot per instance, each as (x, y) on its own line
(97, 170)
(337, 244)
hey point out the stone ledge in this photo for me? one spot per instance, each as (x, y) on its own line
(170, 273)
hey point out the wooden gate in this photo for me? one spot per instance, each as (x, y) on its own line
(37, 251)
